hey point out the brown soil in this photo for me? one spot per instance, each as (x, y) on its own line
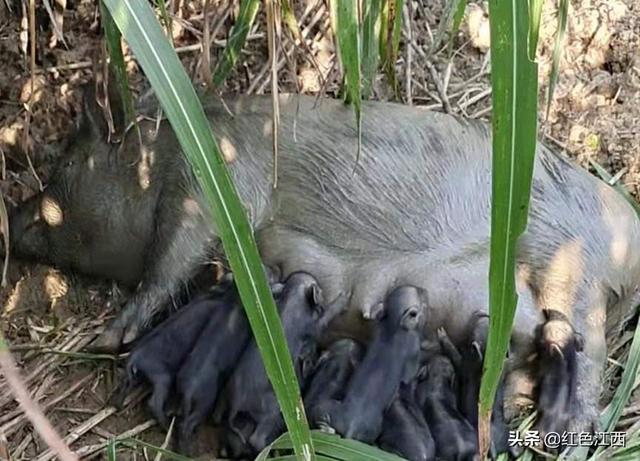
(49, 316)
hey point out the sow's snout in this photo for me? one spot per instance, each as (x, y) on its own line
(27, 230)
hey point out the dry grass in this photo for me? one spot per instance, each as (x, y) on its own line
(48, 318)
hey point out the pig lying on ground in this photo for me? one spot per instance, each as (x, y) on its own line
(415, 212)
(405, 431)
(331, 374)
(254, 414)
(467, 362)
(454, 437)
(205, 369)
(159, 354)
(392, 358)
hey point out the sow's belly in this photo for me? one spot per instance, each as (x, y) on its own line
(362, 235)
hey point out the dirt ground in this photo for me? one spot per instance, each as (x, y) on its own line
(48, 316)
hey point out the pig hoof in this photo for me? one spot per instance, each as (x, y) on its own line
(109, 341)
(130, 335)
(324, 427)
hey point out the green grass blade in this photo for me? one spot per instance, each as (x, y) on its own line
(136, 443)
(293, 458)
(237, 39)
(347, 30)
(166, 18)
(161, 65)
(611, 415)
(535, 14)
(515, 87)
(281, 443)
(117, 65)
(4, 228)
(563, 9)
(604, 175)
(348, 449)
(289, 19)
(335, 447)
(111, 450)
(631, 452)
(390, 28)
(370, 34)
(457, 20)
(449, 16)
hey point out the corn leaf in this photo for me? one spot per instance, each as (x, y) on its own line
(161, 65)
(237, 38)
(514, 84)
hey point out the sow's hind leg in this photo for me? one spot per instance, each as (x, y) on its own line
(180, 246)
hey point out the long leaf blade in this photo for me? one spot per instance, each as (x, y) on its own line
(237, 39)
(370, 35)
(347, 29)
(117, 65)
(390, 28)
(160, 63)
(334, 447)
(611, 415)
(563, 9)
(514, 84)
(449, 22)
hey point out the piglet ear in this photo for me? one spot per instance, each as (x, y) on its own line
(316, 297)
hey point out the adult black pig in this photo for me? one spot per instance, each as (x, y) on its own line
(415, 212)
